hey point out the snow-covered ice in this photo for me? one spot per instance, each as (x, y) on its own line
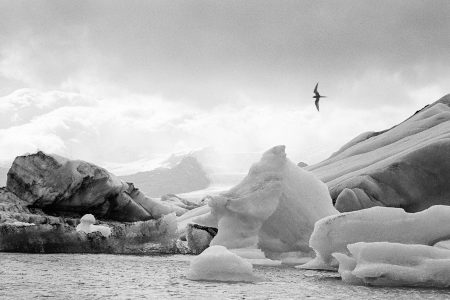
(217, 263)
(377, 224)
(87, 226)
(394, 264)
(274, 208)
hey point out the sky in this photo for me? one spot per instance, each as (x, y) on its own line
(116, 82)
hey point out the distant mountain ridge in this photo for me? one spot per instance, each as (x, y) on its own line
(186, 176)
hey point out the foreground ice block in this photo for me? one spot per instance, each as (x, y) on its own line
(274, 208)
(217, 263)
(87, 226)
(376, 224)
(394, 264)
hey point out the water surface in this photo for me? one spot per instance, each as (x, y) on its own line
(101, 276)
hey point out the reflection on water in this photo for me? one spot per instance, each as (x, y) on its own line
(90, 276)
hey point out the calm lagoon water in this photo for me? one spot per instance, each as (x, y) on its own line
(99, 276)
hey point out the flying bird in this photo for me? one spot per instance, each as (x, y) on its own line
(317, 96)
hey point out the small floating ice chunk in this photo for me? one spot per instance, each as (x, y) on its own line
(377, 224)
(395, 264)
(87, 226)
(217, 263)
(22, 224)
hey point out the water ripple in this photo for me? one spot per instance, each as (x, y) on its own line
(100, 276)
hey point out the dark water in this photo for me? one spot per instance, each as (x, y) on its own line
(90, 276)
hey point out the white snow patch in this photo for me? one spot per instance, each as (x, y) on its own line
(22, 224)
(87, 226)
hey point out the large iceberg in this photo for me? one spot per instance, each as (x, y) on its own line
(219, 264)
(61, 186)
(394, 264)
(406, 166)
(377, 224)
(274, 208)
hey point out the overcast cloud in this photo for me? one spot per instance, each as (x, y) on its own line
(149, 77)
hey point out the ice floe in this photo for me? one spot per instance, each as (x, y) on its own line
(217, 263)
(395, 264)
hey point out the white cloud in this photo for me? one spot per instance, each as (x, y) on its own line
(121, 131)
(21, 106)
(139, 81)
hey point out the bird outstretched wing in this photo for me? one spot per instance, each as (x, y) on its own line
(315, 90)
(317, 104)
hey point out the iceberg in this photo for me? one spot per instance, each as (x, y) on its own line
(63, 186)
(87, 226)
(377, 224)
(274, 208)
(394, 264)
(405, 166)
(217, 263)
